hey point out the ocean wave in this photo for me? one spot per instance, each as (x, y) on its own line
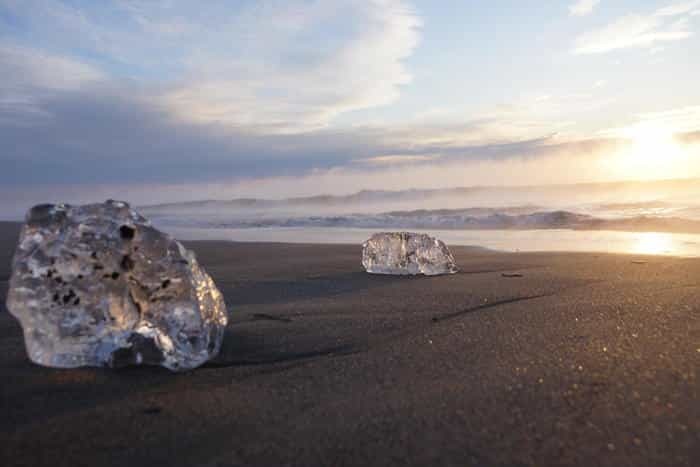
(445, 219)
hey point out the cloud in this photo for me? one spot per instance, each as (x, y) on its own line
(24, 66)
(97, 131)
(395, 159)
(677, 120)
(583, 7)
(106, 141)
(86, 128)
(667, 24)
(279, 66)
(365, 70)
(516, 164)
(98, 137)
(678, 8)
(28, 74)
(104, 133)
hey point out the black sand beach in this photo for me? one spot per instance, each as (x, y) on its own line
(584, 360)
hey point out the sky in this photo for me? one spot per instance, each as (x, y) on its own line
(168, 100)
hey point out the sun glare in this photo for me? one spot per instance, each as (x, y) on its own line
(652, 243)
(653, 153)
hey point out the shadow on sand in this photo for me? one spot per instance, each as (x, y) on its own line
(279, 291)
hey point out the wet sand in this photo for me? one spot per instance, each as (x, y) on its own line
(584, 360)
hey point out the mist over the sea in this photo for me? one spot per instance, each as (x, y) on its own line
(666, 206)
(659, 217)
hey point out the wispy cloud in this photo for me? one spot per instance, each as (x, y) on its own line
(282, 66)
(29, 75)
(515, 164)
(97, 130)
(395, 159)
(113, 144)
(110, 134)
(583, 7)
(677, 120)
(667, 24)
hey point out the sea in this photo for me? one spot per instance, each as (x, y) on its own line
(641, 218)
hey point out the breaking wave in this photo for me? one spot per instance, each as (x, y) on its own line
(656, 206)
(444, 219)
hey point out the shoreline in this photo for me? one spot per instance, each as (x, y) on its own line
(520, 359)
(505, 241)
(9, 230)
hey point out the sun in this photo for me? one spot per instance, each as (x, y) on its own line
(653, 153)
(654, 146)
(652, 243)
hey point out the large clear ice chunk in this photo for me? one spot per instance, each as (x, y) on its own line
(97, 285)
(406, 253)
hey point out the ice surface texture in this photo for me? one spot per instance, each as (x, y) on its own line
(97, 285)
(405, 253)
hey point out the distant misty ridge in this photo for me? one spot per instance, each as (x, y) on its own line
(660, 206)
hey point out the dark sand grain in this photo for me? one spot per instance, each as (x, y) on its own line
(585, 360)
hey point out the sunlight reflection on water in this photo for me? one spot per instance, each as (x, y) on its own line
(640, 243)
(653, 243)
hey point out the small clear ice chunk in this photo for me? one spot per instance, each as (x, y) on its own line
(406, 253)
(97, 285)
